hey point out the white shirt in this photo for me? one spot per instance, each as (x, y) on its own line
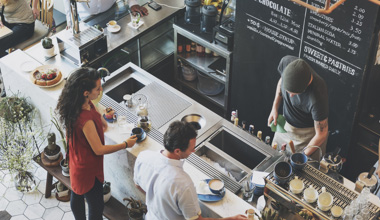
(96, 7)
(170, 192)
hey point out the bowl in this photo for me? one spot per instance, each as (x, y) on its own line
(298, 160)
(209, 86)
(197, 121)
(282, 172)
(188, 73)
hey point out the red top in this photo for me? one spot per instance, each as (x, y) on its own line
(84, 164)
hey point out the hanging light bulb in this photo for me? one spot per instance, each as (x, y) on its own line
(328, 7)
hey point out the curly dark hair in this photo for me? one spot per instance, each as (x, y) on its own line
(71, 99)
(178, 136)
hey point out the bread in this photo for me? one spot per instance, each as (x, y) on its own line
(109, 113)
(46, 78)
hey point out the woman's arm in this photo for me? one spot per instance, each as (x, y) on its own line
(35, 10)
(93, 139)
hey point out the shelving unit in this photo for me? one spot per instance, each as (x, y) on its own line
(203, 64)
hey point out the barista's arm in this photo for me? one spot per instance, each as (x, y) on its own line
(66, 4)
(276, 104)
(135, 7)
(321, 134)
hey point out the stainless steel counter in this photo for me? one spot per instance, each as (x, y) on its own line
(125, 35)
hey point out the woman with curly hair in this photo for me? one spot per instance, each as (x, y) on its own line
(18, 16)
(85, 133)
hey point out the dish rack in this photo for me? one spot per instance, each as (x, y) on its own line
(312, 176)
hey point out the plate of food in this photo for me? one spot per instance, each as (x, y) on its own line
(46, 76)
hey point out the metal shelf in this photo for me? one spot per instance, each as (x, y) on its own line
(217, 99)
(202, 64)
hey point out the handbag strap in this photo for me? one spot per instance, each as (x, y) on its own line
(2, 14)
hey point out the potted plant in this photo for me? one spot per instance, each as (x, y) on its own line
(64, 162)
(63, 193)
(106, 191)
(20, 140)
(136, 209)
(47, 44)
(52, 151)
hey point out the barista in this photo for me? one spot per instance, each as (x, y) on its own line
(97, 7)
(305, 106)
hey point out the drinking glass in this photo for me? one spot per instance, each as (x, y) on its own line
(135, 18)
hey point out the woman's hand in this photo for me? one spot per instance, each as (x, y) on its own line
(1, 24)
(140, 9)
(131, 141)
(273, 117)
(36, 12)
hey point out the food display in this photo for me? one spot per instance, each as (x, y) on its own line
(109, 113)
(46, 76)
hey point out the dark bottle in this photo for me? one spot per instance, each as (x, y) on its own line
(180, 45)
(193, 47)
(188, 46)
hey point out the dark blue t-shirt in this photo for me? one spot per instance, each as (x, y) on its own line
(312, 105)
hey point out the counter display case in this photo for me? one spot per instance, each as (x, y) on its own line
(146, 51)
(206, 75)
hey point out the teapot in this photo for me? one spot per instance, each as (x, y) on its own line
(332, 161)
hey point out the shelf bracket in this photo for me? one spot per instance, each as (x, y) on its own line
(328, 7)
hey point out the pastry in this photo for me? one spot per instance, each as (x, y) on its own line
(46, 78)
(109, 113)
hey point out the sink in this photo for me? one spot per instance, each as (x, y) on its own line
(236, 148)
(131, 85)
(234, 170)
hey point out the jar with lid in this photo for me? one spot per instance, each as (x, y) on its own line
(208, 20)
(193, 11)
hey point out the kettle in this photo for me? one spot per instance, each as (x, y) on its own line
(366, 179)
(332, 161)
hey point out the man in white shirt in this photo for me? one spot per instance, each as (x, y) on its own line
(97, 7)
(170, 192)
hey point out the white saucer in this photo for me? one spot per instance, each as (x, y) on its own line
(140, 23)
(115, 29)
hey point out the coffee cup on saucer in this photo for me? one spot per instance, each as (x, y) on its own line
(325, 200)
(112, 24)
(310, 194)
(138, 132)
(216, 186)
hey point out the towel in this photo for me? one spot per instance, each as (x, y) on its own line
(280, 125)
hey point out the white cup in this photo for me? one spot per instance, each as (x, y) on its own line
(112, 24)
(325, 200)
(310, 194)
(296, 185)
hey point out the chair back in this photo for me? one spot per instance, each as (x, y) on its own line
(46, 12)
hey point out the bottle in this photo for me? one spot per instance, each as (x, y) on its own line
(274, 145)
(260, 135)
(193, 47)
(233, 116)
(208, 52)
(188, 46)
(267, 140)
(179, 45)
(243, 123)
(236, 122)
(251, 129)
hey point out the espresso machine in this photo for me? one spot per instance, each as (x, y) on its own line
(82, 47)
(223, 33)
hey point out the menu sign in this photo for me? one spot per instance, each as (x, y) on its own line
(336, 45)
(332, 41)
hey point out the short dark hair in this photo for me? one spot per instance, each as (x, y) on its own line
(179, 135)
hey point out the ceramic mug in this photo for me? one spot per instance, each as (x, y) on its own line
(310, 194)
(325, 200)
(112, 24)
(296, 185)
(138, 132)
(216, 186)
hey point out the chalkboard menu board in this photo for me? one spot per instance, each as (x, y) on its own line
(337, 46)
